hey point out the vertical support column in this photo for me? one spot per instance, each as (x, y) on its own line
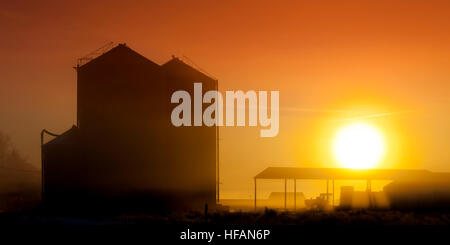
(255, 193)
(328, 201)
(295, 194)
(333, 194)
(217, 149)
(285, 193)
(42, 166)
(369, 192)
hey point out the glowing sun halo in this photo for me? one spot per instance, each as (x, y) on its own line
(358, 146)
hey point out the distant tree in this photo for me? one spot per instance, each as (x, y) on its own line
(19, 181)
(9, 156)
(5, 146)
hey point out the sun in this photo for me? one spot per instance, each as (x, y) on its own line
(358, 146)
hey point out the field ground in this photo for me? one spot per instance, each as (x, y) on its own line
(347, 225)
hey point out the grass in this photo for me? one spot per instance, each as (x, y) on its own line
(310, 217)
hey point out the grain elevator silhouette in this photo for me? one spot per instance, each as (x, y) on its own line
(124, 149)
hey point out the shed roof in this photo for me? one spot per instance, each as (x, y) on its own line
(349, 174)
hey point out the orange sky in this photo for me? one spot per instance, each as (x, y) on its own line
(330, 60)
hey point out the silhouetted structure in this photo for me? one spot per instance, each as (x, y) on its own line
(276, 200)
(362, 199)
(419, 195)
(124, 145)
(346, 199)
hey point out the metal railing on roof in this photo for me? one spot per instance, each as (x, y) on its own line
(94, 54)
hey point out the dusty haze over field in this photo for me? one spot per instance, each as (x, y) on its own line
(380, 62)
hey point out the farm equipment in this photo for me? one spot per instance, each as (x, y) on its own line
(321, 202)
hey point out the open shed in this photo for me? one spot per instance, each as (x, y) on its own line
(291, 173)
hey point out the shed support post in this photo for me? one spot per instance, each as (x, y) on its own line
(333, 194)
(295, 194)
(285, 193)
(369, 192)
(328, 201)
(255, 193)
